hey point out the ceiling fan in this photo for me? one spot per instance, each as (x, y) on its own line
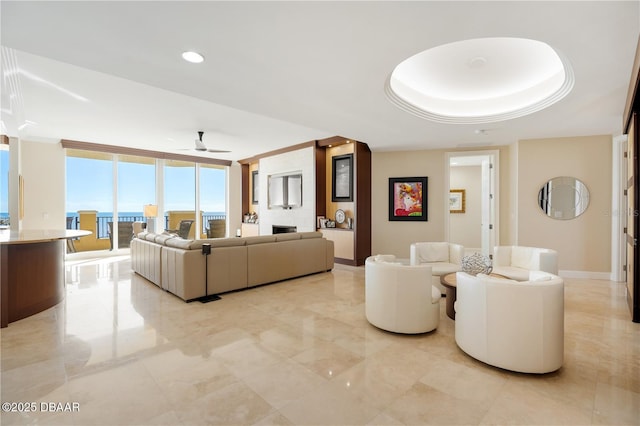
(200, 146)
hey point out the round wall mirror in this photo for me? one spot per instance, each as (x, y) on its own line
(563, 198)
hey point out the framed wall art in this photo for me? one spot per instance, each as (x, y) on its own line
(408, 199)
(342, 178)
(457, 201)
(254, 187)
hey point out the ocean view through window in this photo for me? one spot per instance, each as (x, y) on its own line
(106, 191)
(4, 185)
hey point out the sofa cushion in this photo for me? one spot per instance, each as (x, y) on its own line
(433, 252)
(494, 279)
(522, 257)
(535, 276)
(384, 258)
(311, 234)
(150, 236)
(512, 272)
(288, 236)
(442, 268)
(226, 242)
(216, 242)
(178, 242)
(162, 238)
(260, 239)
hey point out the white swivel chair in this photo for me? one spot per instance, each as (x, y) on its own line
(444, 258)
(510, 324)
(400, 297)
(516, 261)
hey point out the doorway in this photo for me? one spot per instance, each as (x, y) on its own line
(471, 216)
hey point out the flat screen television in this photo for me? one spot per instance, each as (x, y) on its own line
(285, 190)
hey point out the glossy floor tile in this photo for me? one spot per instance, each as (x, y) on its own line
(120, 351)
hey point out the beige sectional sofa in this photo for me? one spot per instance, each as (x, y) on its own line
(178, 265)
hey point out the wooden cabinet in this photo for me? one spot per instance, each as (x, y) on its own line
(343, 242)
(352, 246)
(250, 229)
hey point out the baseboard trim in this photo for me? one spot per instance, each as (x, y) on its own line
(586, 275)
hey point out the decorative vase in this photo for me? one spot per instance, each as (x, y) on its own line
(476, 264)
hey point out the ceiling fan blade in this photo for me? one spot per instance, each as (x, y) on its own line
(200, 146)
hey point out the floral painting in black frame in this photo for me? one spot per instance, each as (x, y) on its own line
(408, 199)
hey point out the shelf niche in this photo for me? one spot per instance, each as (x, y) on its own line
(352, 246)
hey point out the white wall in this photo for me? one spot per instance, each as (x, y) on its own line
(234, 199)
(304, 218)
(465, 228)
(43, 170)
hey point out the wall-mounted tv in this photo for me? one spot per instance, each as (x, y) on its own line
(285, 190)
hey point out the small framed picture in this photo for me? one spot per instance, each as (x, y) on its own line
(457, 201)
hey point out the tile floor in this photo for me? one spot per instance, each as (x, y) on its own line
(297, 352)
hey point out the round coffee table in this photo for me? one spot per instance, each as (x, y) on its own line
(451, 287)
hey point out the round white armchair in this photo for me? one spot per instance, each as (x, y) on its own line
(400, 297)
(514, 325)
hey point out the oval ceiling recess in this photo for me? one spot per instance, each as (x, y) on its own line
(482, 80)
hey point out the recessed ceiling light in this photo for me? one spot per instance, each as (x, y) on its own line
(193, 57)
(480, 80)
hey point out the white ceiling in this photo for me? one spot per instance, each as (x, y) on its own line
(281, 73)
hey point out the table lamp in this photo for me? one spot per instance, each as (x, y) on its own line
(150, 212)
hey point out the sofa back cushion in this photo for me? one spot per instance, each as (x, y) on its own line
(178, 242)
(270, 262)
(260, 239)
(288, 236)
(433, 252)
(522, 257)
(310, 234)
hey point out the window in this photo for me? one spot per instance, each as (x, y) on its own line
(213, 200)
(179, 194)
(90, 197)
(4, 185)
(136, 187)
(103, 185)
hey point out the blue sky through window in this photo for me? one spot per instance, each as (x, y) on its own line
(89, 186)
(90, 181)
(4, 182)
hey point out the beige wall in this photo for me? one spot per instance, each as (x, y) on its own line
(396, 237)
(584, 243)
(464, 228)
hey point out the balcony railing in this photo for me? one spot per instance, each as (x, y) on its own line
(102, 222)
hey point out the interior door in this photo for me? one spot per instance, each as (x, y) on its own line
(488, 206)
(632, 220)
